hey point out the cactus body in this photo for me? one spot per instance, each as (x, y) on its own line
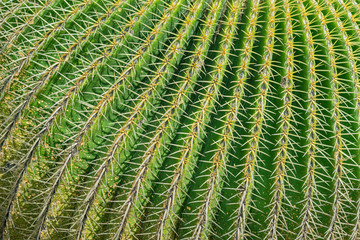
(179, 119)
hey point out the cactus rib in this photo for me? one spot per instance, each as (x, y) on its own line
(179, 119)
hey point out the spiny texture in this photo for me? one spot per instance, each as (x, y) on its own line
(179, 119)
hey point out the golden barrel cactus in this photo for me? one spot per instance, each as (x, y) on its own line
(179, 119)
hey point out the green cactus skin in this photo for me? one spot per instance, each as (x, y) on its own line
(179, 119)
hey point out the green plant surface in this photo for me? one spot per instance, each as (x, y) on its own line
(179, 119)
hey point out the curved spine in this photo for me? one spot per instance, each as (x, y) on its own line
(180, 99)
(354, 74)
(339, 154)
(246, 185)
(219, 159)
(308, 228)
(286, 115)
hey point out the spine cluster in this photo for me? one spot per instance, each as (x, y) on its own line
(163, 119)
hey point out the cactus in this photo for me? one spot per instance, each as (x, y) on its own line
(178, 119)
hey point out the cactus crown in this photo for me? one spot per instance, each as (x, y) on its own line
(164, 119)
